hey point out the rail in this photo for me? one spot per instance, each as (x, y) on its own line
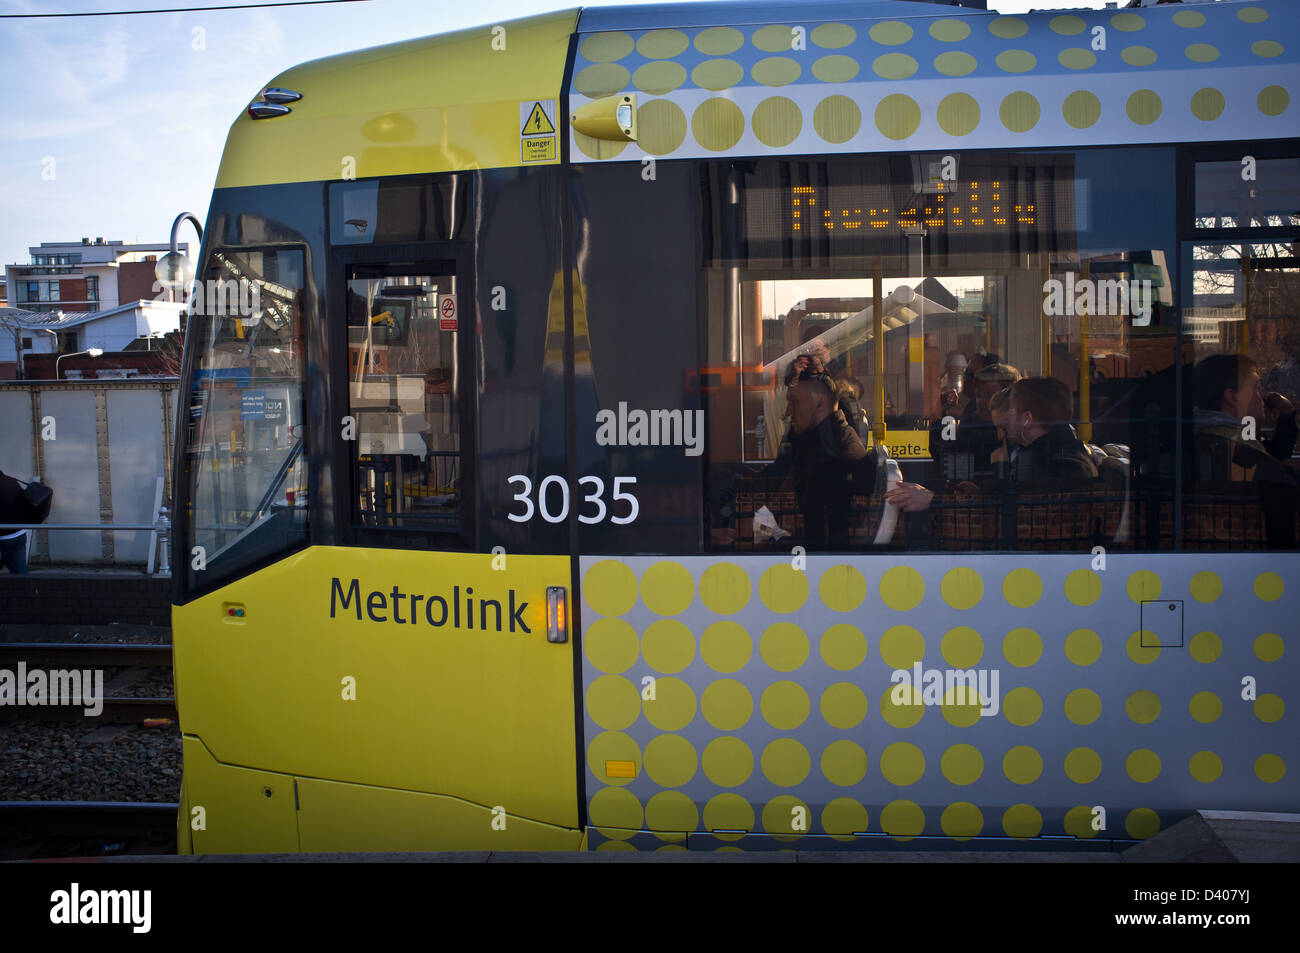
(159, 532)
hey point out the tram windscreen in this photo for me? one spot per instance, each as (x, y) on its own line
(243, 461)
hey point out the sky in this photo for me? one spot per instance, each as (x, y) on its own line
(113, 125)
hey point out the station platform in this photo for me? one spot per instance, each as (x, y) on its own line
(1205, 837)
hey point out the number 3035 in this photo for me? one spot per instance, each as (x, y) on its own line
(556, 487)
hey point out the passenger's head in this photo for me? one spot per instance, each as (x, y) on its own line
(999, 407)
(1037, 405)
(808, 401)
(955, 363)
(1229, 383)
(989, 381)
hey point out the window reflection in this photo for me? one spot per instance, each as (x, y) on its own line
(1019, 368)
(402, 384)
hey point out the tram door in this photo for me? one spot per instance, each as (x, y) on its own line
(468, 733)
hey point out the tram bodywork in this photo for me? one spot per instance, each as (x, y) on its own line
(457, 569)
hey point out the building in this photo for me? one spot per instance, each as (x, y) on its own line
(75, 296)
(85, 275)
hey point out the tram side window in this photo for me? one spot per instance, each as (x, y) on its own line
(402, 390)
(244, 462)
(1002, 323)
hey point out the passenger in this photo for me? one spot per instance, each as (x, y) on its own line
(999, 410)
(1227, 393)
(823, 454)
(1038, 420)
(1228, 398)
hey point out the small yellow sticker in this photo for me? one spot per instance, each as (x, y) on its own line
(620, 769)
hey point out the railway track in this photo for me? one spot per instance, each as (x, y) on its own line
(118, 709)
(34, 829)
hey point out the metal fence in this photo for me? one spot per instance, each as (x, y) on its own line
(104, 447)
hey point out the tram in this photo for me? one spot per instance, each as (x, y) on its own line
(481, 535)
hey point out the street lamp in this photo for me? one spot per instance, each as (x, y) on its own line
(92, 351)
(174, 269)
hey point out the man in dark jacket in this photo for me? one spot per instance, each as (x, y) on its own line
(826, 459)
(1040, 411)
(13, 509)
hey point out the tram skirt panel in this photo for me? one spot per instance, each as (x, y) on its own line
(749, 703)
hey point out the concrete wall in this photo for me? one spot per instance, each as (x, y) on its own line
(101, 446)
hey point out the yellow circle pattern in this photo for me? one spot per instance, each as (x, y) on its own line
(1083, 706)
(835, 69)
(718, 75)
(673, 707)
(955, 63)
(662, 44)
(1083, 647)
(902, 763)
(610, 587)
(1206, 586)
(897, 117)
(775, 71)
(1083, 587)
(670, 761)
(1022, 765)
(727, 762)
(611, 644)
(719, 40)
(1022, 706)
(668, 645)
(727, 704)
(842, 588)
(1205, 766)
(1205, 707)
(605, 47)
(958, 114)
(962, 647)
(1205, 647)
(844, 763)
(783, 588)
(671, 811)
(1022, 647)
(1022, 821)
(726, 647)
(1143, 765)
(783, 646)
(717, 124)
(901, 646)
(661, 126)
(843, 647)
(613, 702)
(659, 77)
(1269, 587)
(833, 36)
(1143, 706)
(837, 119)
(1081, 109)
(1021, 588)
(1067, 25)
(1269, 647)
(1273, 100)
(902, 588)
(1083, 766)
(962, 764)
(616, 810)
(777, 121)
(962, 588)
(962, 821)
(785, 762)
(785, 705)
(904, 714)
(725, 588)
(844, 705)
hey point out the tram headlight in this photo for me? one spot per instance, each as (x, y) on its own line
(557, 614)
(612, 118)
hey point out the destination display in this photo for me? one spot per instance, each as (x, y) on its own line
(877, 204)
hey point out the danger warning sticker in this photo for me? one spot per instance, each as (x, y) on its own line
(537, 137)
